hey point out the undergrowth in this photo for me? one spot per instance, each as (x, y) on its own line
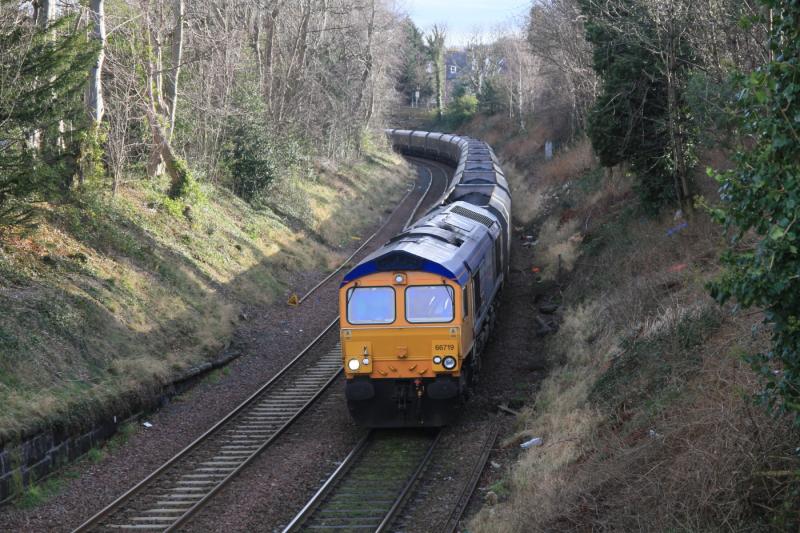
(111, 297)
(647, 416)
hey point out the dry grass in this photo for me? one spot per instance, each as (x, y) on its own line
(567, 164)
(111, 299)
(559, 247)
(646, 417)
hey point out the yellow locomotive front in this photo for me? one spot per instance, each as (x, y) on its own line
(404, 339)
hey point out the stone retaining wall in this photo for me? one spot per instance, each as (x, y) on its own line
(22, 464)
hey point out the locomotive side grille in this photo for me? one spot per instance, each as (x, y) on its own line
(477, 217)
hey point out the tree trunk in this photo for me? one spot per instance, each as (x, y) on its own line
(177, 58)
(520, 102)
(269, 56)
(166, 155)
(440, 83)
(257, 44)
(44, 12)
(365, 74)
(678, 160)
(298, 60)
(95, 104)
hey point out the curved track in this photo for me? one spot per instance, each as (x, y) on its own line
(171, 495)
(453, 519)
(433, 192)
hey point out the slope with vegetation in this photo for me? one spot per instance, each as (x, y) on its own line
(107, 299)
(647, 414)
(670, 212)
(163, 164)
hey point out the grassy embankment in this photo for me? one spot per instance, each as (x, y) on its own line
(647, 413)
(113, 298)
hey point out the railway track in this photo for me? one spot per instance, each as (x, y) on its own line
(431, 192)
(457, 511)
(370, 487)
(171, 495)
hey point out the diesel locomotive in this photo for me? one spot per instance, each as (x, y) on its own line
(416, 314)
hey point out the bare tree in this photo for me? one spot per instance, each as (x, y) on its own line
(317, 70)
(484, 62)
(557, 37)
(436, 43)
(95, 103)
(160, 111)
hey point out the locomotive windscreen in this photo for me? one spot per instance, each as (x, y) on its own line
(370, 305)
(429, 304)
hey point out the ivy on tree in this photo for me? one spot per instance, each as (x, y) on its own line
(761, 197)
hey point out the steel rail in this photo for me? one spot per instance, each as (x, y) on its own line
(197, 506)
(312, 504)
(353, 459)
(410, 218)
(357, 250)
(371, 237)
(451, 524)
(127, 496)
(406, 492)
(119, 504)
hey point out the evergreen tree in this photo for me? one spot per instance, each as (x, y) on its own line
(436, 42)
(491, 100)
(640, 106)
(42, 79)
(413, 71)
(761, 197)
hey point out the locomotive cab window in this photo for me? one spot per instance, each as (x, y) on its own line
(370, 305)
(430, 303)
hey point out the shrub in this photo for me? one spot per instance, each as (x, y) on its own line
(761, 197)
(257, 157)
(462, 109)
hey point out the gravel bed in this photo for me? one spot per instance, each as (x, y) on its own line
(269, 338)
(515, 364)
(272, 489)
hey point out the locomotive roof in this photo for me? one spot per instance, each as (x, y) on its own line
(447, 242)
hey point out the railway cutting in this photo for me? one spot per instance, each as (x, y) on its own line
(171, 495)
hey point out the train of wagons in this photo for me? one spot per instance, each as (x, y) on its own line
(417, 313)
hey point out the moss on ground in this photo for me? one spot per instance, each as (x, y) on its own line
(109, 298)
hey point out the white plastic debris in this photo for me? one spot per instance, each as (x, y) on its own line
(147, 425)
(535, 441)
(495, 465)
(653, 434)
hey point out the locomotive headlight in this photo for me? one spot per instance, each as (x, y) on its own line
(365, 361)
(449, 362)
(353, 364)
(437, 360)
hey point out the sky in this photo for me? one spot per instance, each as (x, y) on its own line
(463, 17)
